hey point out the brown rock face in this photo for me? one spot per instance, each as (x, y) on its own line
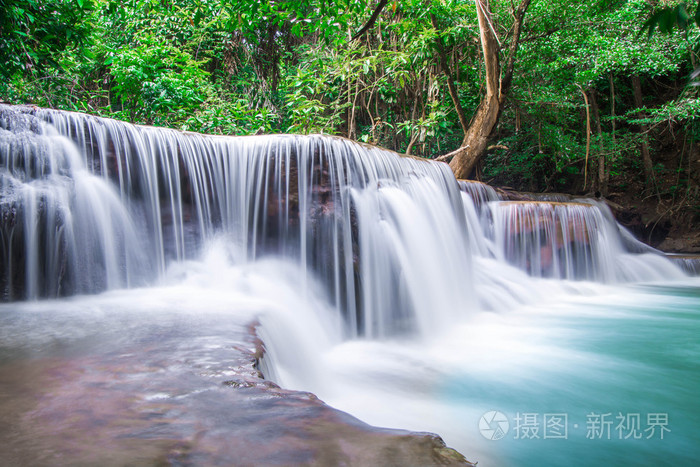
(200, 403)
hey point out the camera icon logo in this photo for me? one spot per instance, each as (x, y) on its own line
(494, 425)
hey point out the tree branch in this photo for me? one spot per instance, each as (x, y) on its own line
(452, 88)
(450, 155)
(535, 37)
(372, 19)
(510, 63)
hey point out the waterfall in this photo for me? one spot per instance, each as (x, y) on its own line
(572, 240)
(479, 193)
(90, 204)
(63, 229)
(689, 263)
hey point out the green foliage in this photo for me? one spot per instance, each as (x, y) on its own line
(681, 110)
(667, 18)
(34, 33)
(228, 117)
(158, 84)
(290, 66)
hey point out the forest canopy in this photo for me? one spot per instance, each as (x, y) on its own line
(587, 96)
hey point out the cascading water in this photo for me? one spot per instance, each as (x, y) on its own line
(64, 230)
(393, 271)
(308, 198)
(311, 198)
(689, 263)
(570, 241)
(479, 193)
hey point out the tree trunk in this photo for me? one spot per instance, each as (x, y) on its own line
(588, 136)
(694, 164)
(613, 146)
(644, 147)
(601, 185)
(485, 119)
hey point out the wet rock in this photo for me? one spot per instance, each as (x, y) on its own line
(189, 404)
(688, 243)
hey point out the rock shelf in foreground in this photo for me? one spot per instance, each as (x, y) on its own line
(199, 403)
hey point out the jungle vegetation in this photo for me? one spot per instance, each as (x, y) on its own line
(592, 96)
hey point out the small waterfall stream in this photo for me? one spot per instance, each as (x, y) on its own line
(571, 241)
(386, 260)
